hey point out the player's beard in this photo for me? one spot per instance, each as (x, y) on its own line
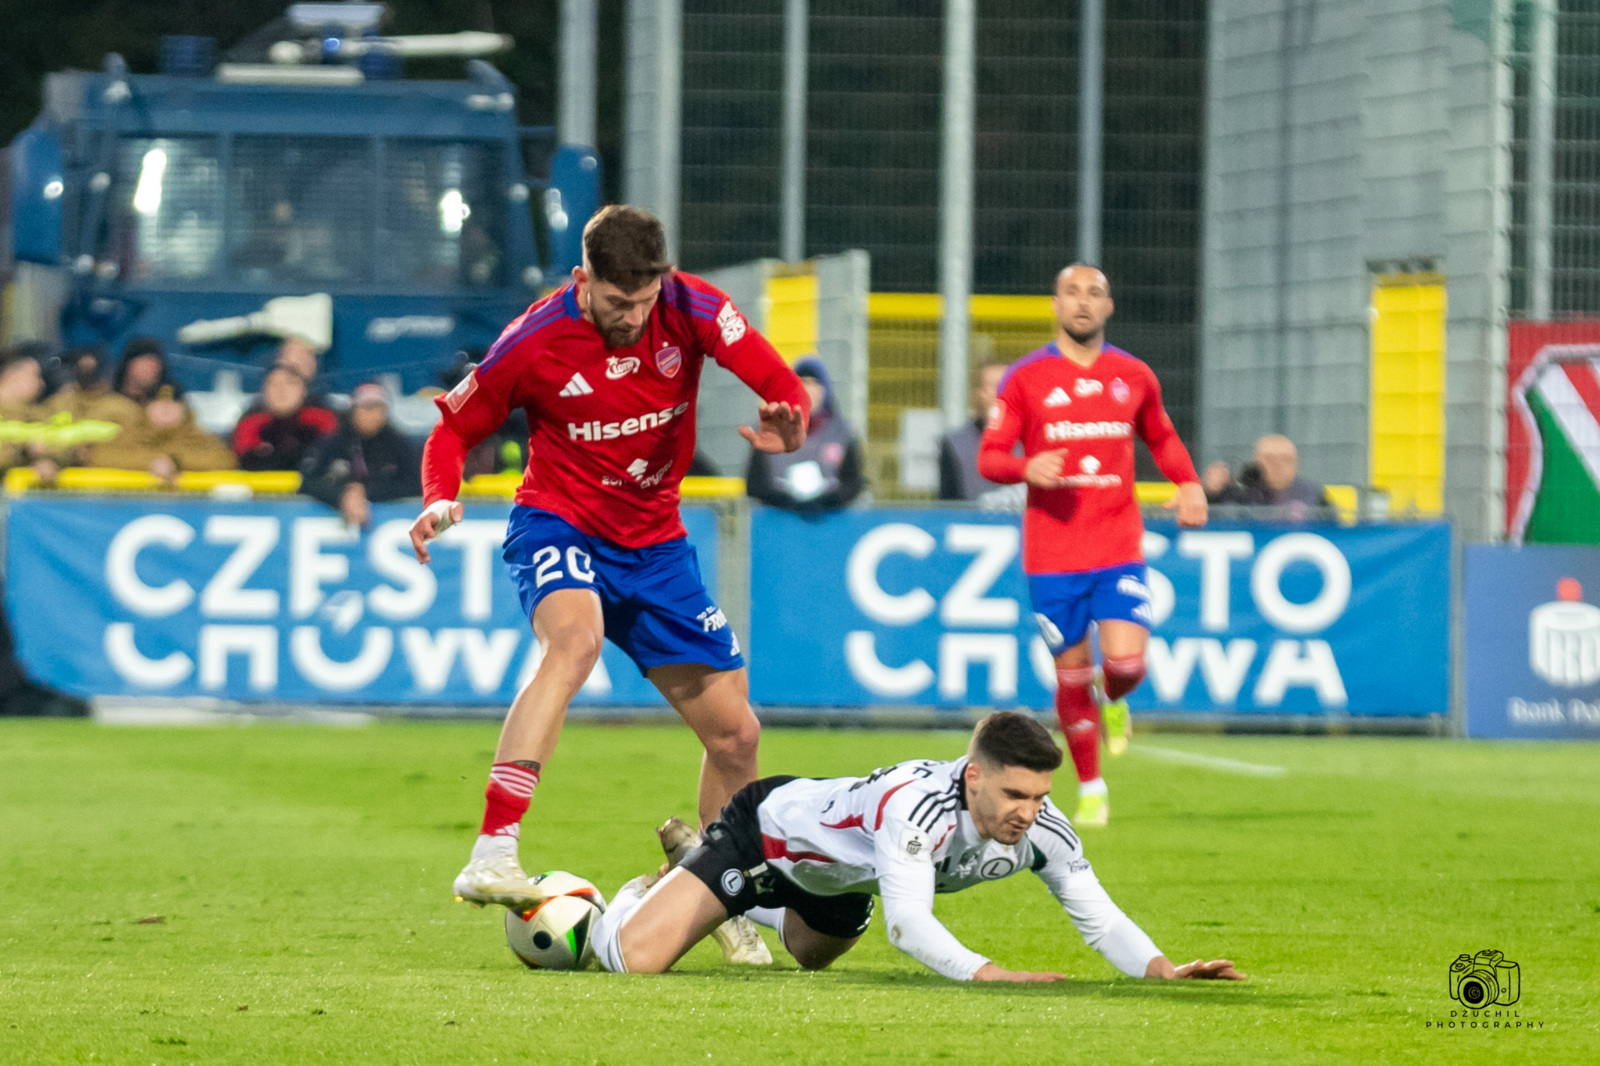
(1085, 338)
(617, 335)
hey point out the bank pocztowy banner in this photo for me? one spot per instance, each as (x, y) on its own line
(281, 601)
(1532, 641)
(930, 607)
(1553, 432)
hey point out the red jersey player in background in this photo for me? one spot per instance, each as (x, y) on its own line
(608, 370)
(1075, 405)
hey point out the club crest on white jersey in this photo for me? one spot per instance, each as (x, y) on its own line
(576, 386)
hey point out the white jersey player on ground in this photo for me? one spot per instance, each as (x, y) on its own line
(806, 856)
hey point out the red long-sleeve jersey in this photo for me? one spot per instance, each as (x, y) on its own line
(611, 431)
(1050, 403)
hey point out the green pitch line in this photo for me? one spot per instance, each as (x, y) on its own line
(279, 894)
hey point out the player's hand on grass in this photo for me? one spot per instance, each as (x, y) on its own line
(1044, 470)
(990, 972)
(439, 517)
(1215, 970)
(1190, 503)
(783, 428)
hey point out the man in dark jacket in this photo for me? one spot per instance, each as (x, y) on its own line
(958, 449)
(824, 473)
(279, 436)
(364, 461)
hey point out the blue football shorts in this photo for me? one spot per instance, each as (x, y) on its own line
(1065, 604)
(655, 605)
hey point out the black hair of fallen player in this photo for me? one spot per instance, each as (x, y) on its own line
(625, 246)
(1010, 738)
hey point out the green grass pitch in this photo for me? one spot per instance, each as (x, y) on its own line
(302, 877)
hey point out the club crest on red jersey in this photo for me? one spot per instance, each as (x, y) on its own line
(1119, 390)
(669, 361)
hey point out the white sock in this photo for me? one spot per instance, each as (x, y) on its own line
(497, 846)
(606, 936)
(1097, 787)
(771, 917)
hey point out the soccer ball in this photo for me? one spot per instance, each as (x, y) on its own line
(555, 934)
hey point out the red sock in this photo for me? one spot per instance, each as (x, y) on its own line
(1080, 719)
(1122, 675)
(506, 797)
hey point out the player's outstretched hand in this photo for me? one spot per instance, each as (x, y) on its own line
(1043, 471)
(1215, 970)
(439, 517)
(1190, 503)
(990, 972)
(783, 428)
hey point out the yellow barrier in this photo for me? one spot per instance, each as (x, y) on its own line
(94, 479)
(1346, 499)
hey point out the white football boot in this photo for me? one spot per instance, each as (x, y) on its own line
(497, 878)
(738, 937)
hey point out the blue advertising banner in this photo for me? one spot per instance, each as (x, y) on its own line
(930, 607)
(281, 601)
(1532, 641)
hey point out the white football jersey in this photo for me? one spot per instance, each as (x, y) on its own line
(903, 832)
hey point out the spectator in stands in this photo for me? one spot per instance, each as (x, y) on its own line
(143, 371)
(165, 440)
(1220, 486)
(364, 461)
(824, 474)
(29, 438)
(958, 449)
(1273, 480)
(298, 355)
(89, 395)
(279, 436)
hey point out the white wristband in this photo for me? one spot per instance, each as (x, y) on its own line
(440, 509)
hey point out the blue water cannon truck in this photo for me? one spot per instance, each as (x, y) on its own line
(299, 185)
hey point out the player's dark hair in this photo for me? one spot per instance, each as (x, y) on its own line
(1009, 738)
(625, 246)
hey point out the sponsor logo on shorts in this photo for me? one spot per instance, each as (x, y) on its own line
(1048, 630)
(1129, 585)
(1088, 387)
(590, 432)
(711, 619)
(1055, 431)
(730, 322)
(620, 366)
(733, 882)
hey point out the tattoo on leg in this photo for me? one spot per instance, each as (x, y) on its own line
(527, 764)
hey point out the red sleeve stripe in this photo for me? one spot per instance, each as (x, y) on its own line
(877, 823)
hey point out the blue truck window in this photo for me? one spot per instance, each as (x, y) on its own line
(301, 210)
(167, 209)
(444, 215)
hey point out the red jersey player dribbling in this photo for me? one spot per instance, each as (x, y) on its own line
(608, 370)
(1076, 405)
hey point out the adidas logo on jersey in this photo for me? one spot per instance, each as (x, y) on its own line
(576, 386)
(1058, 397)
